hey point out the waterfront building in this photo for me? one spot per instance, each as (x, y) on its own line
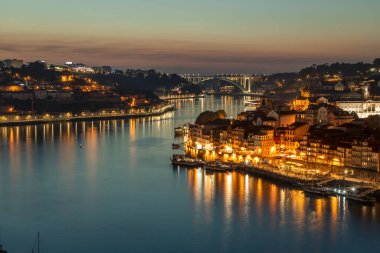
(293, 134)
(324, 147)
(262, 142)
(347, 149)
(210, 134)
(332, 141)
(365, 155)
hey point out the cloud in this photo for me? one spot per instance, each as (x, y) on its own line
(167, 55)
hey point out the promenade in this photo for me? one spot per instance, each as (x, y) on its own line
(14, 120)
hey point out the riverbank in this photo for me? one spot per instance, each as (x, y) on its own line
(69, 117)
(177, 97)
(331, 184)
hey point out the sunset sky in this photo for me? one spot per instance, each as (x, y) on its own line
(197, 36)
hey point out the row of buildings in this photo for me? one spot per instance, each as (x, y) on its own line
(36, 85)
(68, 66)
(322, 137)
(361, 98)
(79, 68)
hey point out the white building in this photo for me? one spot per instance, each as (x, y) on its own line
(362, 108)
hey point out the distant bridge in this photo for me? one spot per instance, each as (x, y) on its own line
(242, 82)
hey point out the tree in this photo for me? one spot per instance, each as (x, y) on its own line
(209, 116)
(376, 63)
(119, 72)
(373, 122)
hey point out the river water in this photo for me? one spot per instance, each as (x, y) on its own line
(108, 186)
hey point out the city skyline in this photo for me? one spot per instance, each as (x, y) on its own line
(181, 36)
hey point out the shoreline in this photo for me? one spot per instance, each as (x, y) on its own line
(42, 120)
(168, 98)
(294, 180)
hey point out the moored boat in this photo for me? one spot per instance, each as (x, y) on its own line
(181, 130)
(365, 200)
(185, 161)
(176, 146)
(216, 166)
(316, 190)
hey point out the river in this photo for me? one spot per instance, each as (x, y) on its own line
(108, 186)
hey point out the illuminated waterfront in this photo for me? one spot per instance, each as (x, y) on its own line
(109, 186)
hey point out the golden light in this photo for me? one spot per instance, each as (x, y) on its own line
(208, 146)
(228, 149)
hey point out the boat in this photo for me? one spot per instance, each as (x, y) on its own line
(178, 131)
(181, 130)
(252, 105)
(37, 243)
(365, 200)
(217, 166)
(2, 250)
(315, 190)
(185, 161)
(176, 146)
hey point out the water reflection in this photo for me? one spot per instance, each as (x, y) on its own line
(245, 199)
(111, 182)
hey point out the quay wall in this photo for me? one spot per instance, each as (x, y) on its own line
(40, 119)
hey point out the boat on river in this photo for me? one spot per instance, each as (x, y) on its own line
(252, 105)
(316, 190)
(185, 161)
(2, 250)
(181, 130)
(365, 200)
(217, 166)
(176, 146)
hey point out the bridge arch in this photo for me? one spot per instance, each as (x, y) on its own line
(236, 84)
(198, 80)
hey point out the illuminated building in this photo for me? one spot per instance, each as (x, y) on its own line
(67, 78)
(325, 114)
(300, 103)
(262, 142)
(365, 155)
(294, 133)
(12, 87)
(362, 108)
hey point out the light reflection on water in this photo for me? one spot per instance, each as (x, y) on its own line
(254, 201)
(96, 186)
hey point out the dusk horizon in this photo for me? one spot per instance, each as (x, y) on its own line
(197, 37)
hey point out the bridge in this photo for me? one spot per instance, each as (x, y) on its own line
(242, 82)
